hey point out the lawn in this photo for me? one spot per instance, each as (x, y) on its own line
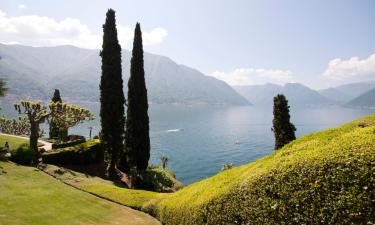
(29, 196)
(14, 142)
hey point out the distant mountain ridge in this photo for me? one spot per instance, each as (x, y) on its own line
(33, 72)
(297, 94)
(365, 100)
(347, 92)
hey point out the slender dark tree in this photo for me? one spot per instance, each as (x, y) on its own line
(112, 98)
(137, 123)
(283, 129)
(3, 88)
(54, 131)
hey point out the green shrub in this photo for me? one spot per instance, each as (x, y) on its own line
(72, 140)
(86, 153)
(160, 180)
(321, 178)
(23, 155)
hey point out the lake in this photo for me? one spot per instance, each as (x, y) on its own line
(199, 139)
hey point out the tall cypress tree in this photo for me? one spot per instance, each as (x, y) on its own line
(112, 98)
(137, 122)
(283, 129)
(53, 128)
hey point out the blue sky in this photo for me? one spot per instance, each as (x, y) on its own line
(241, 42)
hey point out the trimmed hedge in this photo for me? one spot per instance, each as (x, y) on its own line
(322, 178)
(89, 152)
(75, 141)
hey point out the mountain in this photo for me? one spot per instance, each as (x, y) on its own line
(33, 72)
(347, 92)
(365, 100)
(297, 94)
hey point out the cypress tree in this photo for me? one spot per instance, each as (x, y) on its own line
(283, 129)
(112, 98)
(137, 123)
(53, 128)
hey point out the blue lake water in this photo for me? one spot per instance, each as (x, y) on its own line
(209, 135)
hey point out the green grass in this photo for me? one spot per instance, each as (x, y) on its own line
(14, 142)
(325, 177)
(133, 198)
(29, 196)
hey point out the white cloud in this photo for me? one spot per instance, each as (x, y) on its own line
(351, 70)
(45, 31)
(250, 76)
(21, 6)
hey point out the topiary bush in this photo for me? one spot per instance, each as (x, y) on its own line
(322, 178)
(89, 152)
(23, 155)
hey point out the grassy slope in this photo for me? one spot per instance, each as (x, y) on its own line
(14, 142)
(29, 196)
(325, 177)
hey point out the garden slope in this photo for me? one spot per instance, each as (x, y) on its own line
(321, 178)
(29, 196)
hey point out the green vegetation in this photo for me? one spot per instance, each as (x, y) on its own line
(137, 149)
(53, 128)
(112, 98)
(3, 88)
(282, 128)
(29, 196)
(137, 199)
(89, 152)
(14, 142)
(321, 178)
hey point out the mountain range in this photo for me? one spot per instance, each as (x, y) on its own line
(33, 72)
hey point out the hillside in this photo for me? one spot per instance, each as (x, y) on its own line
(366, 100)
(347, 92)
(76, 72)
(29, 196)
(321, 178)
(297, 94)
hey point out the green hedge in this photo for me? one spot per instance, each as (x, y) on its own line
(86, 153)
(322, 178)
(67, 144)
(23, 155)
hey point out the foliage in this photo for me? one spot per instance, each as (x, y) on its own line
(112, 98)
(86, 153)
(160, 180)
(164, 161)
(21, 126)
(137, 149)
(65, 115)
(36, 114)
(23, 155)
(283, 129)
(321, 178)
(136, 199)
(3, 88)
(29, 196)
(53, 128)
(227, 166)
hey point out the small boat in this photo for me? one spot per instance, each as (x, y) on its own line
(237, 142)
(175, 130)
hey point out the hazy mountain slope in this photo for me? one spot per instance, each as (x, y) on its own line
(297, 94)
(366, 100)
(347, 92)
(35, 72)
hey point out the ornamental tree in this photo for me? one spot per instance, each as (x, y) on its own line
(20, 126)
(65, 115)
(36, 114)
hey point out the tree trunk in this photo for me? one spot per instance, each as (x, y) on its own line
(34, 135)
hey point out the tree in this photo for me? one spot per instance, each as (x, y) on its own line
(16, 127)
(3, 88)
(137, 136)
(53, 128)
(283, 129)
(112, 99)
(36, 113)
(65, 115)
(164, 161)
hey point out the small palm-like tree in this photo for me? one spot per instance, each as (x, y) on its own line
(164, 161)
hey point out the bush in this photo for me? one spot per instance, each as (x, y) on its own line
(89, 152)
(160, 180)
(321, 178)
(23, 155)
(72, 140)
